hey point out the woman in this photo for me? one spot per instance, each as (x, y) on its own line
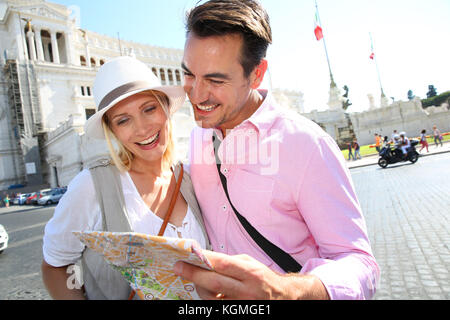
(437, 136)
(133, 193)
(6, 200)
(423, 140)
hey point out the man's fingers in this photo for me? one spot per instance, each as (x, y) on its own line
(208, 283)
(228, 278)
(237, 267)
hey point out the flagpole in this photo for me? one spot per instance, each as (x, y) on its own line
(333, 84)
(376, 66)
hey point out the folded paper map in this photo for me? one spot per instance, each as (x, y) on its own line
(147, 262)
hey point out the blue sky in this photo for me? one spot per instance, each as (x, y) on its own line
(411, 40)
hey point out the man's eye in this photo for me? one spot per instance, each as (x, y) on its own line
(217, 81)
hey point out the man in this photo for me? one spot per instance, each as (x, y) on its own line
(377, 142)
(282, 172)
(405, 144)
(394, 134)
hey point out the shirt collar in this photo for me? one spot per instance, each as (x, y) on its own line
(263, 118)
(266, 114)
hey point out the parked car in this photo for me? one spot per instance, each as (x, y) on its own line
(21, 199)
(51, 197)
(31, 198)
(3, 238)
(40, 194)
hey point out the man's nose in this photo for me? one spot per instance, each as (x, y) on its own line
(197, 91)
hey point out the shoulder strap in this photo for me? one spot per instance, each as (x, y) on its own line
(187, 190)
(108, 188)
(279, 256)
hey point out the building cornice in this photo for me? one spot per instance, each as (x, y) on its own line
(64, 68)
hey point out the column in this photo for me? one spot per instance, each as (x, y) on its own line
(88, 54)
(40, 49)
(166, 73)
(55, 50)
(31, 46)
(69, 40)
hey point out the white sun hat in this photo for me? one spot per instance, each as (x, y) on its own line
(119, 79)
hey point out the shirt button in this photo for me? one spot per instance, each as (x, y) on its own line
(224, 208)
(225, 170)
(222, 246)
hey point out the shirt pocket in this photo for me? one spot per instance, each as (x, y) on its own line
(251, 195)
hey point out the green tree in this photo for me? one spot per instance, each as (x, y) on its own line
(431, 91)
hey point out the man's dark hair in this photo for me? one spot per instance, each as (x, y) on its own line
(243, 17)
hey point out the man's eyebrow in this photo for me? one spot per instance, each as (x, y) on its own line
(185, 69)
(216, 75)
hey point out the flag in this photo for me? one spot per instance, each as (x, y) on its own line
(372, 56)
(318, 30)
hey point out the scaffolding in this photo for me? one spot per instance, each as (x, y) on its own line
(25, 112)
(17, 118)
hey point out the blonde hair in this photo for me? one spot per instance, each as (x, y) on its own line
(122, 158)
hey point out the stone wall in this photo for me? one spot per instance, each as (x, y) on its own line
(408, 116)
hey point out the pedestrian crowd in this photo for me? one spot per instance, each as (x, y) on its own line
(399, 140)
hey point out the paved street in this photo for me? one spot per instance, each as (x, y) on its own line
(20, 263)
(407, 210)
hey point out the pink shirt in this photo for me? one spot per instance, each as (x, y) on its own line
(289, 179)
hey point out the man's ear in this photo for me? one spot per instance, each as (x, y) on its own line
(259, 73)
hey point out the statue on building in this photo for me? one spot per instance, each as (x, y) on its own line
(28, 26)
(346, 103)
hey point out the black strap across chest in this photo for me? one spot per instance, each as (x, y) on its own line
(279, 256)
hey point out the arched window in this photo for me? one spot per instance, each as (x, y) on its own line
(163, 76)
(155, 72)
(83, 61)
(170, 72)
(93, 63)
(102, 62)
(178, 77)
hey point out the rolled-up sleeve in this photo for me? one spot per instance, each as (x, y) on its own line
(328, 203)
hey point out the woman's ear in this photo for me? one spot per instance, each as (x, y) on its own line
(259, 73)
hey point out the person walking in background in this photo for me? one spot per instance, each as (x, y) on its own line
(350, 152)
(356, 147)
(423, 140)
(437, 136)
(377, 142)
(7, 201)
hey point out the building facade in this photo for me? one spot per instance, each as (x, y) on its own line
(47, 69)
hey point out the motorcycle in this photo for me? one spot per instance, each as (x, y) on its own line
(390, 155)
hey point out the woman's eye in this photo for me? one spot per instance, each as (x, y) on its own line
(149, 109)
(122, 121)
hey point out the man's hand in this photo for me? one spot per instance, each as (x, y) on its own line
(244, 278)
